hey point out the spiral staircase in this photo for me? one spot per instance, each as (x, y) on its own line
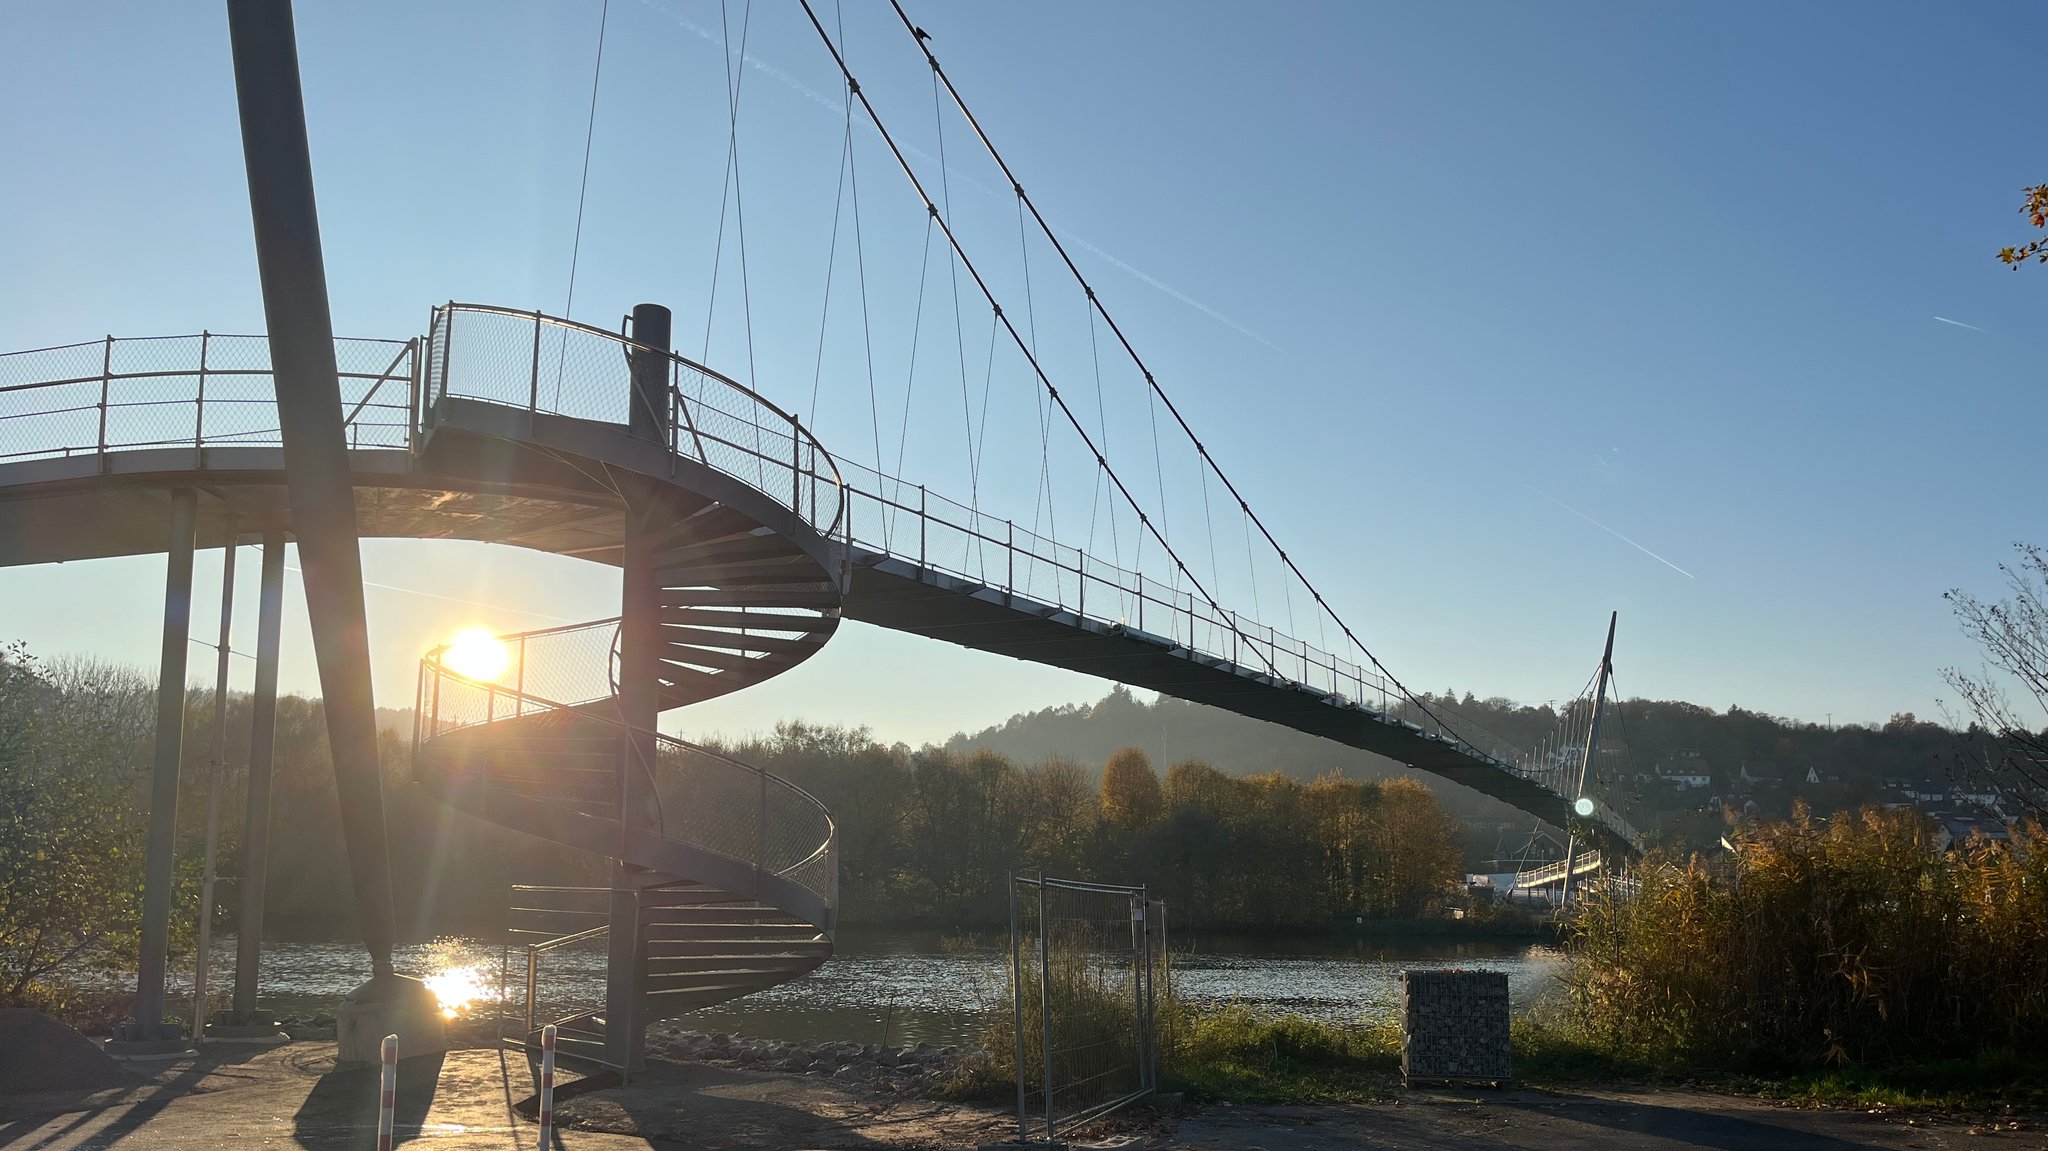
(725, 875)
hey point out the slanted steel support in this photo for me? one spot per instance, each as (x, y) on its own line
(317, 479)
(1571, 852)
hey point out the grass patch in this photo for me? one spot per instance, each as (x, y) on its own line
(1234, 1054)
(1992, 1081)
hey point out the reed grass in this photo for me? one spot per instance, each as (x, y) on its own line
(1846, 943)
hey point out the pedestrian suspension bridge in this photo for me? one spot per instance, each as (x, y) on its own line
(744, 541)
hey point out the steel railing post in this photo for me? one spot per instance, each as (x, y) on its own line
(106, 379)
(533, 381)
(921, 514)
(1017, 1005)
(796, 466)
(1045, 999)
(532, 982)
(199, 405)
(1010, 579)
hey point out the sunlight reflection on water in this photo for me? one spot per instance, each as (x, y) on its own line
(906, 987)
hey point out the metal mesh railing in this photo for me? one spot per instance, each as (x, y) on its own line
(1085, 960)
(112, 395)
(702, 798)
(209, 390)
(542, 364)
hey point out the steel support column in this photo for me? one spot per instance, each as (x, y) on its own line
(256, 817)
(215, 768)
(639, 703)
(317, 479)
(148, 1025)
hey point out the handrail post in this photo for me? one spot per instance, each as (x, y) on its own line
(761, 834)
(1010, 580)
(532, 982)
(533, 382)
(796, 466)
(199, 405)
(106, 378)
(921, 519)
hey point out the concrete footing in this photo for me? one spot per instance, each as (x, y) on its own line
(149, 1041)
(388, 1005)
(257, 1027)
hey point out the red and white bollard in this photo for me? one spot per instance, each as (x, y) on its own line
(547, 1085)
(388, 1095)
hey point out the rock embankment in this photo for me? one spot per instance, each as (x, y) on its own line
(908, 1069)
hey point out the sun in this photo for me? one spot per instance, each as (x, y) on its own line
(477, 654)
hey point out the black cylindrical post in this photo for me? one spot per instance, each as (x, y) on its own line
(317, 479)
(256, 813)
(639, 705)
(648, 416)
(163, 793)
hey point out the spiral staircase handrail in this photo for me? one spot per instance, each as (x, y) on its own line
(428, 726)
(796, 428)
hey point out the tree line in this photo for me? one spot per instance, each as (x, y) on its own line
(926, 835)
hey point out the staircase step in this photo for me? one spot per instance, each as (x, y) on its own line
(820, 597)
(683, 947)
(761, 544)
(753, 914)
(757, 619)
(677, 635)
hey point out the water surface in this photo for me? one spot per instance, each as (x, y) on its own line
(914, 986)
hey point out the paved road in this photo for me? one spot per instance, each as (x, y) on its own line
(1535, 1121)
(294, 1097)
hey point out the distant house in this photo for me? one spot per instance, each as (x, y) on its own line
(1962, 798)
(1755, 772)
(1952, 831)
(1682, 775)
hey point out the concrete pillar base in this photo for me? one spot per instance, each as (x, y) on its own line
(151, 1041)
(388, 1005)
(258, 1027)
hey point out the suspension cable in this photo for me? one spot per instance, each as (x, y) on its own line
(1131, 350)
(583, 187)
(1016, 337)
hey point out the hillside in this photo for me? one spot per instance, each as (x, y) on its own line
(1829, 768)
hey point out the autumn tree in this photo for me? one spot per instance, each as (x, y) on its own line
(2012, 633)
(70, 843)
(2035, 209)
(1130, 790)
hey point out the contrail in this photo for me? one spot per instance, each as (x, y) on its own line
(1608, 530)
(837, 108)
(452, 599)
(1960, 324)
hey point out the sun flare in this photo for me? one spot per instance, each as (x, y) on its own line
(456, 988)
(477, 654)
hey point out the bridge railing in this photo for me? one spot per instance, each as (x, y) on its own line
(702, 797)
(911, 523)
(206, 390)
(542, 364)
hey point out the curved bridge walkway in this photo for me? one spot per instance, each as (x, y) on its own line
(744, 544)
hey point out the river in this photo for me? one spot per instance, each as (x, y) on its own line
(915, 986)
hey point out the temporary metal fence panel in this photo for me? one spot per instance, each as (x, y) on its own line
(1085, 961)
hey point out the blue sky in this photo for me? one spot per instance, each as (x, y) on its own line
(1444, 288)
